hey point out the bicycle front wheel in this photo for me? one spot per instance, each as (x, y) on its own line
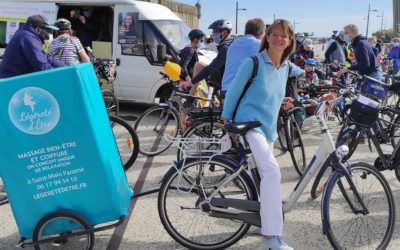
(187, 222)
(126, 140)
(151, 127)
(345, 222)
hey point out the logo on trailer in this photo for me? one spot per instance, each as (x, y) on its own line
(34, 111)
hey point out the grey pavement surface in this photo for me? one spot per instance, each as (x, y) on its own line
(302, 228)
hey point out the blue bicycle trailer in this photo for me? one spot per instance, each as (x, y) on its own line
(59, 162)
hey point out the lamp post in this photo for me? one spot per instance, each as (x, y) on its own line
(381, 16)
(237, 10)
(369, 10)
(294, 25)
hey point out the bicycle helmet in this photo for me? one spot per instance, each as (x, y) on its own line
(311, 62)
(221, 25)
(63, 24)
(196, 33)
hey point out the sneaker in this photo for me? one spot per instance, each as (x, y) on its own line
(276, 243)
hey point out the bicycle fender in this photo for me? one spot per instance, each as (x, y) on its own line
(178, 164)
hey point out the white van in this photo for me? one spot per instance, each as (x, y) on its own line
(135, 52)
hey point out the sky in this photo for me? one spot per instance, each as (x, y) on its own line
(318, 16)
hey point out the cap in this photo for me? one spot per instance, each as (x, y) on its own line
(300, 34)
(40, 21)
(341, 33)
(308, 42)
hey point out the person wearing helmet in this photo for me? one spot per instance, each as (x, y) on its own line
(24, 53)
(188, 55)
(66, 47)
(221, 31)
(310, 77)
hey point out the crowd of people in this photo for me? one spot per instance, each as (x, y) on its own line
(278, 51)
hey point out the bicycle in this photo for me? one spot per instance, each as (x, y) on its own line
(126, 140)
(350, 133)
(165, 119)
(209, 202)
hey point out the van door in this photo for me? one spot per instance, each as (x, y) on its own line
(135, 49)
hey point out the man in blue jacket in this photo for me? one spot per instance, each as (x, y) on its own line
(242, 48)
(24, 53)
(367, 63)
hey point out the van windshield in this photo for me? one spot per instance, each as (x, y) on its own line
(175, 31)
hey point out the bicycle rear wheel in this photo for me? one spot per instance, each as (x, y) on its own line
(111, 102)
(152, 125)
(345, 223)
(188, 223)
(295, 145)
(127, 141)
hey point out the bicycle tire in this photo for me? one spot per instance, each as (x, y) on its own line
(218, 227)
(295, 141)
(126, 140)
(202, 130)
(150, 136)
(111, 102)
(339, 195)
(70, 219)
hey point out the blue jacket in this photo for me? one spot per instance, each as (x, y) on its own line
(367, 63)
(242, 48)
(24, 54)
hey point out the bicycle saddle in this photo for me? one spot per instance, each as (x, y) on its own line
(242, 127)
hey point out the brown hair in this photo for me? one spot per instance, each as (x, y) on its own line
(255, 27)
(288, 29)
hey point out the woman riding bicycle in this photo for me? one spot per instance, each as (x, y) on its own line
(66, 47)
(262, 102)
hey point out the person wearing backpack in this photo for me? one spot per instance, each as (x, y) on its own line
(66, 47)
(259, 97)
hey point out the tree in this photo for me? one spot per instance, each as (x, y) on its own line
(385, 35)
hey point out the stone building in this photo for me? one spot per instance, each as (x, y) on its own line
(188, 13)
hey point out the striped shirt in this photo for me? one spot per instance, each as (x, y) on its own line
(66, 48)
